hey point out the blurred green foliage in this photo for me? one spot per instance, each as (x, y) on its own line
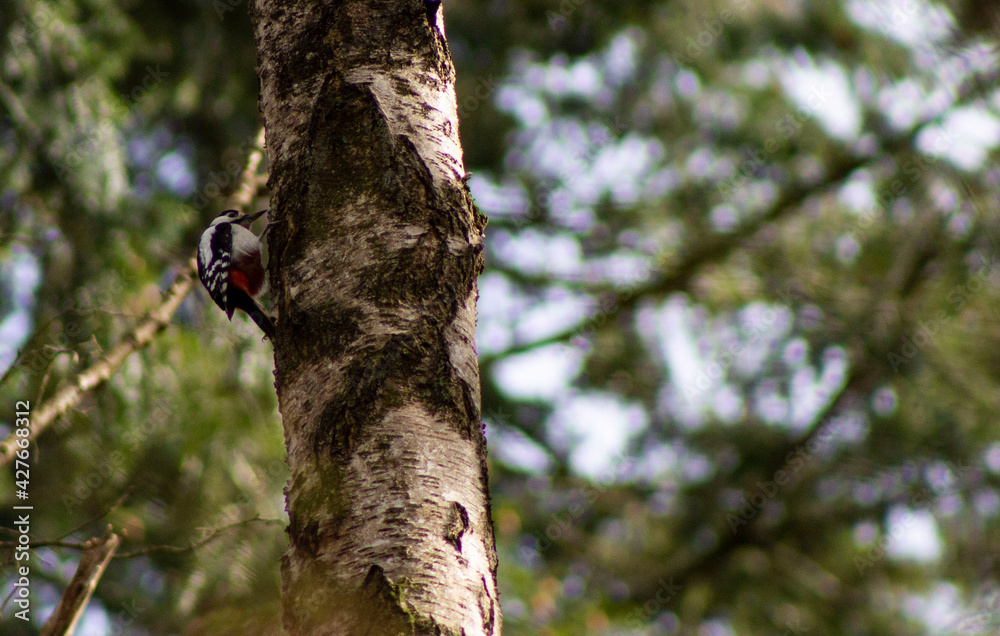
(753, 242)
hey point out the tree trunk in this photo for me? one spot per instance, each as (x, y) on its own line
(374, 255)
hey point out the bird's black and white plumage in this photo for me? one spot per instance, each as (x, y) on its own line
(230, 268)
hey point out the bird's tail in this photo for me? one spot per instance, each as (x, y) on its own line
(256, 313)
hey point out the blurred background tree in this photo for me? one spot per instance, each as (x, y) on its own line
(737, 329)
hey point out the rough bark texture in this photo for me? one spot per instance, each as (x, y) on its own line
(374, 259)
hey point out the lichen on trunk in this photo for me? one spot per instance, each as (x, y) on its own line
(375, 252)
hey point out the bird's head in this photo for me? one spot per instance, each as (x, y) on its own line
(234, 216)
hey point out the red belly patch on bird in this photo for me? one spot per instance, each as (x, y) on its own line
(240, 281)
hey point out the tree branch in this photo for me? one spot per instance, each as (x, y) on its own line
(212, 536)
(97, 553)
(249, 181)
(153, 549)
(712, 249)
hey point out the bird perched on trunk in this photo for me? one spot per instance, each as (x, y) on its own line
(230, 268)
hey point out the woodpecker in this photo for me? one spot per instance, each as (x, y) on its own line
(230, 268)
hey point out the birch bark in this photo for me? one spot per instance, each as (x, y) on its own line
(374, 257)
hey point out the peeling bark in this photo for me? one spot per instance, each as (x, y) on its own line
(375, 253)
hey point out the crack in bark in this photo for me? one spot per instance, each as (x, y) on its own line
(457, 525)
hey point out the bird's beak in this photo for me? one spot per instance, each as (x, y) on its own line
(250, 218)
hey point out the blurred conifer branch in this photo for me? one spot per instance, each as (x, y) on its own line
(101, 371)
(864, 377)
(681, 270)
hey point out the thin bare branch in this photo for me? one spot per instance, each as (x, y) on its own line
(211, 536)
(97, 553)
(125, 495)
(153, 549)
(72, 545)
(250, 181)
